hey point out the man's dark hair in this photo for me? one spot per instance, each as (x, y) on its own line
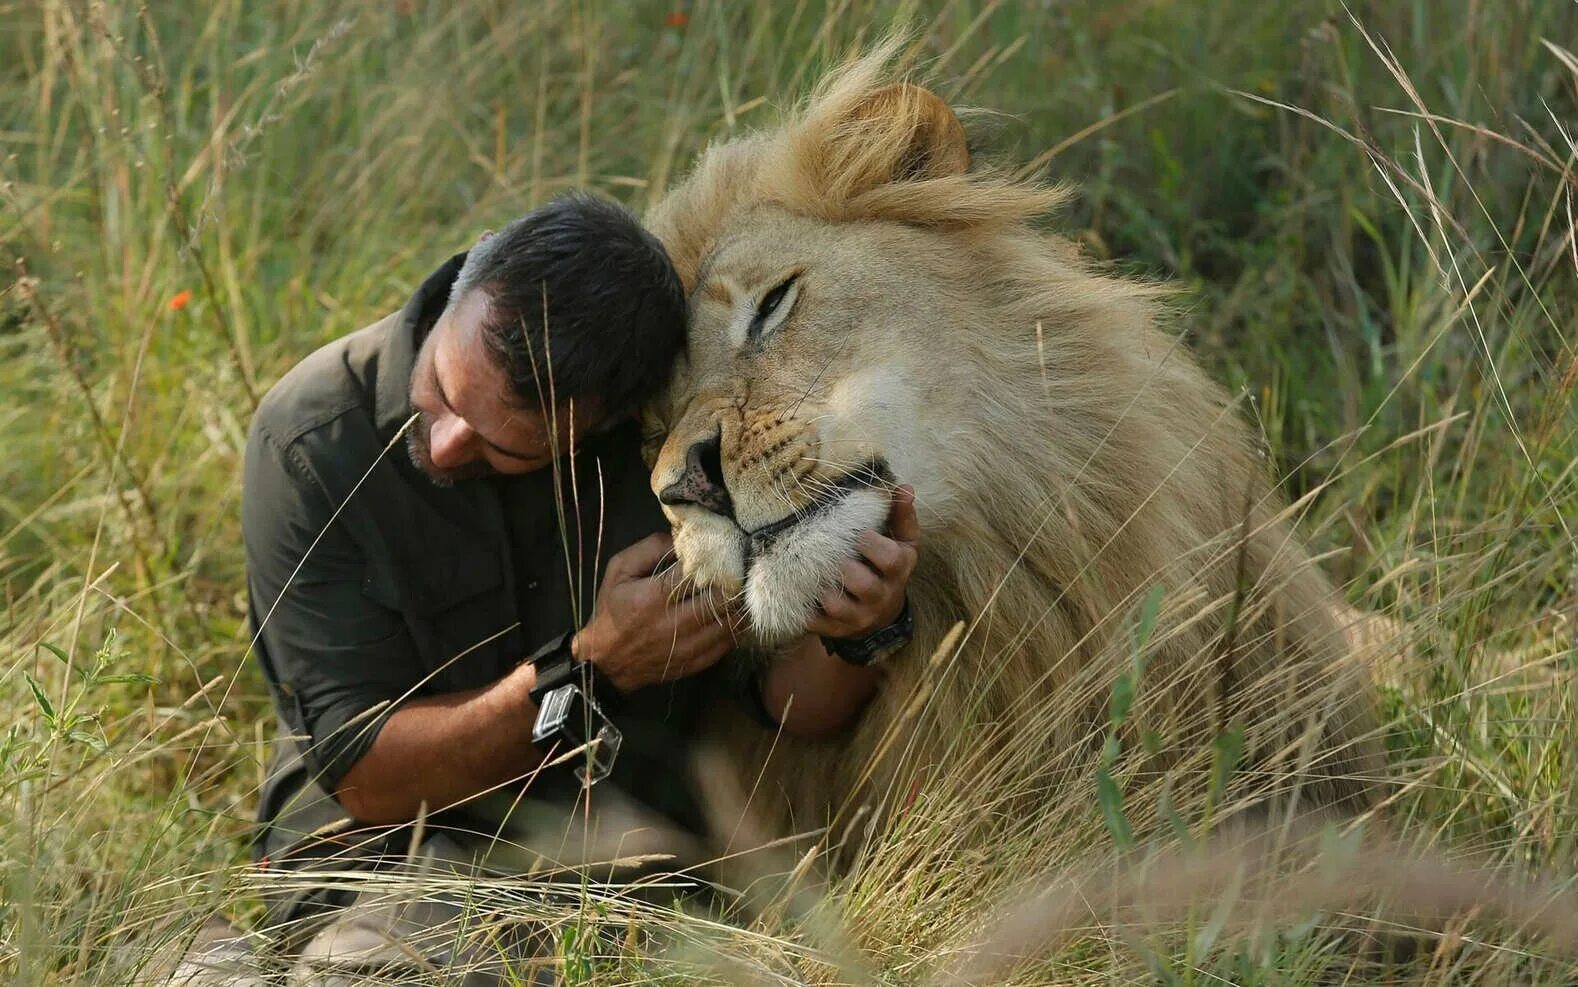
(578, 286)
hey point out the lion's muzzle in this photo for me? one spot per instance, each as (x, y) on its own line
(701, 483)
(757, 506)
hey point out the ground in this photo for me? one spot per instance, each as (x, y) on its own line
(1368, 208)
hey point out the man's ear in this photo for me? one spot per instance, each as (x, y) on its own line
(918, 131)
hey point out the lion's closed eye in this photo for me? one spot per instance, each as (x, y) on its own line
(773, 309)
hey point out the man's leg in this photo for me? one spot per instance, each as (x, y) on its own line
(220, 956)
(418, 920)
(414, 925)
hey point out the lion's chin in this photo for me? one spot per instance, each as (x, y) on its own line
(784, 575)
(712, 552)
(791, 570)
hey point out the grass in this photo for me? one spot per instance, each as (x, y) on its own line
(1371, 207)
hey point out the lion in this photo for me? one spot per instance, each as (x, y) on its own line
(869, 305)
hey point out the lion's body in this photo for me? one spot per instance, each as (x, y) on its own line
(1067, 455)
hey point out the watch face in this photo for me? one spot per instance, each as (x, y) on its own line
(555, 713)
(883, 650)
(866, 652)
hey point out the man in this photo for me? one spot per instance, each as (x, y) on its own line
(429, 501)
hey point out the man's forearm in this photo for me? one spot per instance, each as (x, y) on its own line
(812, 693)
(444, 750)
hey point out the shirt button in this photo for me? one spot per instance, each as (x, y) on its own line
(533, 584)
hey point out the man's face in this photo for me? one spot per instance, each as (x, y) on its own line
(466, 426)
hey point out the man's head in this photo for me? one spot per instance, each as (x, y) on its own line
(565, 321)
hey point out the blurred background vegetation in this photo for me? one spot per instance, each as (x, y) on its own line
(1369, 206)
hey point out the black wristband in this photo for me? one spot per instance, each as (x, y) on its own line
(879, 644)
(555, 666)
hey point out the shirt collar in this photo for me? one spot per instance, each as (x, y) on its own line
(392, 400)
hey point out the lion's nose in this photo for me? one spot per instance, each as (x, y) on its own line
(702, 481)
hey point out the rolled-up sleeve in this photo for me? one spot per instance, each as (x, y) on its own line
(337, 661)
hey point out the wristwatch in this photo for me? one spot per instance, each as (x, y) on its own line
(568, 712)
(877, 646)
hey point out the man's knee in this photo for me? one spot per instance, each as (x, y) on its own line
(220, 956)
(403, 928)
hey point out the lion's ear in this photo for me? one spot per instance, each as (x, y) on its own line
(869, 151)
(915, 131)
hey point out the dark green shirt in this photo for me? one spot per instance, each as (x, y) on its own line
(370, 584)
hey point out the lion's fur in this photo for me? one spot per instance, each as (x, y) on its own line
(1067, 455)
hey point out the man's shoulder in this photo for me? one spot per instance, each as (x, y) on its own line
(335, 382)
(314, 434)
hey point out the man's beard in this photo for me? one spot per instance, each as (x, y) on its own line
(418, 444)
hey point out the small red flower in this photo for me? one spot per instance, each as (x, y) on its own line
(677, 19)
(180, 301)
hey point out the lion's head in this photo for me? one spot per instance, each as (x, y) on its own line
(834, 349)
(868, 308)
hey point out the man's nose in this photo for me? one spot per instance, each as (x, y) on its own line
(702, 481)
(450, 443)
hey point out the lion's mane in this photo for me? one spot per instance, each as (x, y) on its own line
(1097, 469)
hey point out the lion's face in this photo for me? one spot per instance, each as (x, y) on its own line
(812, 366)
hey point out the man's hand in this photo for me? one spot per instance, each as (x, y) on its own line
(644, 629)
(872, 595)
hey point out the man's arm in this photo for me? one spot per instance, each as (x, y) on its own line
(336, 659)
(811, 693)
(447, 749)
(444, 750)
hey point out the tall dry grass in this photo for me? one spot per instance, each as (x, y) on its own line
(1371, 206)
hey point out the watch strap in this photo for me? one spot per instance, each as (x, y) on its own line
(877, 645)
(555, 665)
